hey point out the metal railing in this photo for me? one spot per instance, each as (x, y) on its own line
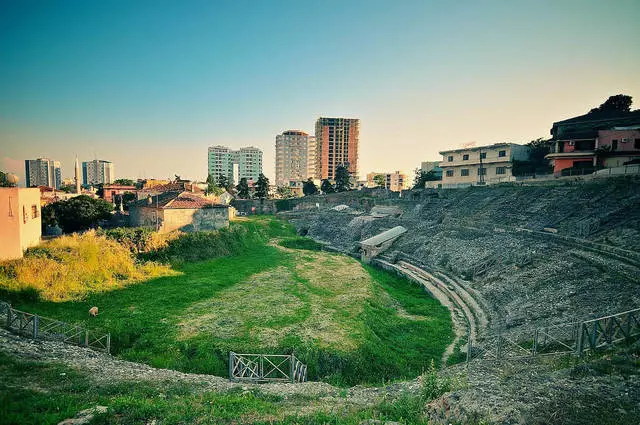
(568, 338)
(39, 327)
(266, 368)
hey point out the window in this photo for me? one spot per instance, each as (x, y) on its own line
(34, 211)
(24, 214)
(464, 172)
(502, 154)
(614, 145)
(449, 173)
(501, 170)
(636, 144)
(450, 158)
(465, 157)
(483, 155)
(482, 171)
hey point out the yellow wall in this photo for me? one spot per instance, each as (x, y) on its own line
(20, 222)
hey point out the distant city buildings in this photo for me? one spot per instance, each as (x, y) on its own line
(97, 172)
(235, 164)
(337, 143)
(396, 181)
(481, 164)
(43, 172)
(295, 157)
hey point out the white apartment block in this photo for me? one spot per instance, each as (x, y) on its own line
(97, 171)
(396, 181)
(481, 165)
(235, 165)
(295, 157)
(43, 172)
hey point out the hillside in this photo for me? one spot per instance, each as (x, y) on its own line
(493, 240)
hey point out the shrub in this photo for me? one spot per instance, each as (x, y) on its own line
(72, 266)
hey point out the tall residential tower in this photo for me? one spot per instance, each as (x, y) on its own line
(97, 171)
(337, 141)
(235, 165)
(43, 172)
(295, 157)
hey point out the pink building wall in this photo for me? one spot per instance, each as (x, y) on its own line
(20, 221)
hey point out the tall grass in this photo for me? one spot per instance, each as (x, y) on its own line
(70, 267)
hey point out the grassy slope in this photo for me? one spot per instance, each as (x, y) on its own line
(388, 341)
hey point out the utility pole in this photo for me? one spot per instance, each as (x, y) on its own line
(481, 171)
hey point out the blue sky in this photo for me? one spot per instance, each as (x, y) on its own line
(150, 84)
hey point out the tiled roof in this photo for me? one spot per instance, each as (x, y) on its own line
(178, 200)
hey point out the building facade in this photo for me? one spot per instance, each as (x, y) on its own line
(97, 171)
(20, 221)
(337, 143)
(295, 157)
(396, 181)
(234, 165)
(183, 211)
(43, 172)
(432, 166)
(481, 165)
(597, 140)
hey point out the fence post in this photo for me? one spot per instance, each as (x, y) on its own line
(291, 366)
(109, 343)
(231, 365)
(86, 338)
(36, 325)
(20, 323)
(468, 346)
(580, 341)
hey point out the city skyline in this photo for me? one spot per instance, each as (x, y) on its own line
(152, 85)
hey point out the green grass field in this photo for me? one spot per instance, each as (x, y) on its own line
(268, 291)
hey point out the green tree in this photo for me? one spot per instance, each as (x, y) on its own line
(262, 186)
(78, 213)
(617, 103)
(5, 180)
(380, 180)
(212, 187)
(343, 180)
(422, 177)
(124, 182)
(285, 192)
(309, 187)
(327, 187)
(243, 189)
(224, 182)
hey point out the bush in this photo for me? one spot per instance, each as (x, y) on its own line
(138, 239)
(70, 267)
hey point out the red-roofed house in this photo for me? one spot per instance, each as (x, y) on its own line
(179, 210)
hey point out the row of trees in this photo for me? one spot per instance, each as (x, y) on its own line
(221, 183)
(343, 183)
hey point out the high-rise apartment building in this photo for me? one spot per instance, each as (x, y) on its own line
(43, 172)
(97, 171)
(295, 157)
(337, 141)
(235, 165)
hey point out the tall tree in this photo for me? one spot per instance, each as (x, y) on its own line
(327, 187)
(380, 180)
(243, 189)
(224, 182)
(422, 177)
(309, 187)
(262, 186)
(212, 187)
(617, 103)
(284, 192)
(343, 181)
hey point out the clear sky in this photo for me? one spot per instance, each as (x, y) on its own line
(151, 84)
